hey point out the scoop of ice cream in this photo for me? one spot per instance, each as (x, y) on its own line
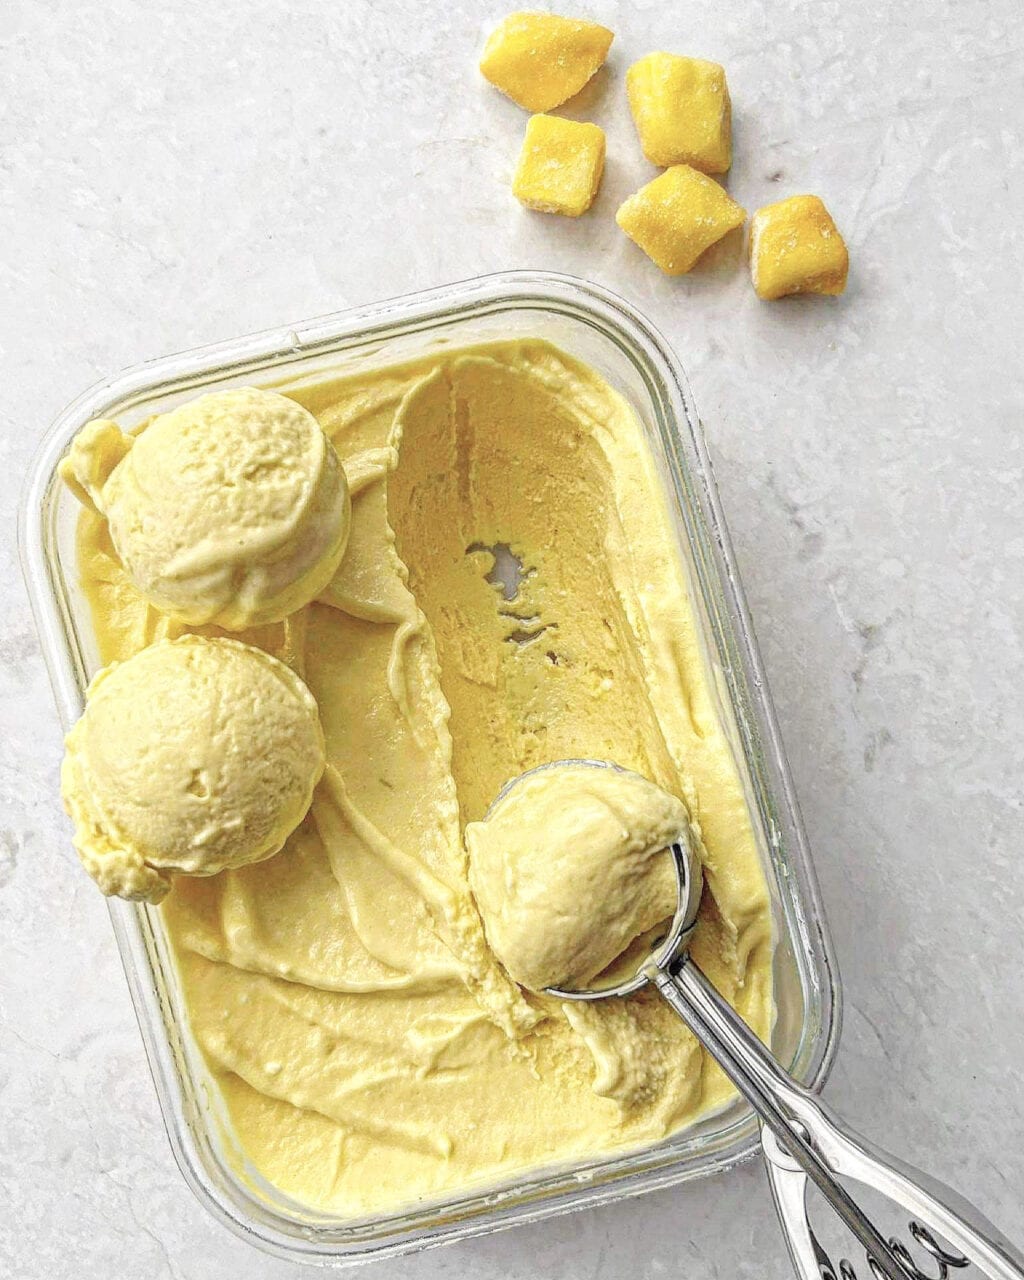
(569, 867)
(232, 509)
(193, 756)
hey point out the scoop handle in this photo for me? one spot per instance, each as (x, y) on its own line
(812, 1143)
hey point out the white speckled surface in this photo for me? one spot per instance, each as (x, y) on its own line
(178, 173)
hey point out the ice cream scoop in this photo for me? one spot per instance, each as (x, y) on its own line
(803, 1140)
(191, 757)
(570, 867)
(232, 509)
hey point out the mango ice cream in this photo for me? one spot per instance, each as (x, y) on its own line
(231, 509)
(570, 867)
(370, 1050)
(192, 756)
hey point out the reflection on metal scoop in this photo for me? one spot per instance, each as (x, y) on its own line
(802, 1140)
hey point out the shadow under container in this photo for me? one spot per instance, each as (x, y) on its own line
(603, 331)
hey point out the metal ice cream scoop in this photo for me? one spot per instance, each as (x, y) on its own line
(802, 1140)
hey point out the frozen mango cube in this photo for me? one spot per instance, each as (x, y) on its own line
(682, 111)
(677, 216)
(541, 60)
(560, 165)
(795, 247)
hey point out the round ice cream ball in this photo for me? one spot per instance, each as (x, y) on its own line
(193, 756)
(570, 867)
(232, 509)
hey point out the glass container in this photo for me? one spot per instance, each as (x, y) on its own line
(602, 330)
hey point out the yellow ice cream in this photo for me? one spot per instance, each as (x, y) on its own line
(231, 509)
(192, 756)
(370, 1049)
(570, 867)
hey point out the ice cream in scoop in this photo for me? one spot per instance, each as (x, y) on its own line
(232, 509)
(191, 757)
(570, 867)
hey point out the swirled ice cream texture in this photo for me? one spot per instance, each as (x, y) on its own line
(370, 1049)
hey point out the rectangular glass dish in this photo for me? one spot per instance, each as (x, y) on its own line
(601, 330)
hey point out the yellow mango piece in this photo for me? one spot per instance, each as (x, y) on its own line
(795, 247)
(560, 166)
(541, 60)
(677, 216)
(682, 111)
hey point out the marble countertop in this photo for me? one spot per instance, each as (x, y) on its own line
(179, 173)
